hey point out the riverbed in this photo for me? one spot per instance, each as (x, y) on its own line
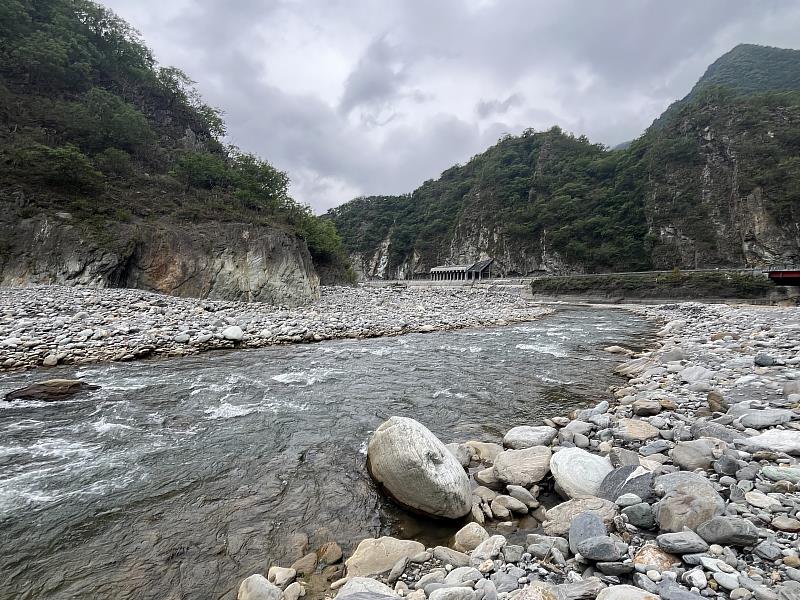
(180, 477)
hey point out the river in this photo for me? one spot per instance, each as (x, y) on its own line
(180, 477)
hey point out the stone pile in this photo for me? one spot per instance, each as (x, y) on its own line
(684, 485)
(52, 325)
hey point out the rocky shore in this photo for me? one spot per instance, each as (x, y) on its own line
(52, 325)
(682, 484)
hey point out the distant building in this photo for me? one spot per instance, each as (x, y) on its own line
(475, 271)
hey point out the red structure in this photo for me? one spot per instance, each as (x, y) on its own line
(785, 276)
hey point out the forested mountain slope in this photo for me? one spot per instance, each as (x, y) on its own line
(715, 182)
(112, 172)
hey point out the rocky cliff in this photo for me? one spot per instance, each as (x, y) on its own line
(715, 182)
(114, 172)
(222, 261)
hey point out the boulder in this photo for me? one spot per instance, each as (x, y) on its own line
(627, 480)
(522, 467)
(524, 436)
(560, 517)
(579, 473)
(697, 454)
(51, 390)
(689, 500)
(258, 587)
(469, 537)
(728, 531)
(417, 470)
(378, 556)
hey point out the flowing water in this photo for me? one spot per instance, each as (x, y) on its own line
(180, 477)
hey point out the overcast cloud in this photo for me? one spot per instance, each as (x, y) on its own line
(356, 97)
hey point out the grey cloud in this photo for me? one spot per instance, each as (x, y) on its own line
(486, 108)
(422, 85)
(376, 79)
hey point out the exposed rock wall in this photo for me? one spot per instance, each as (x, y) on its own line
(222, 261)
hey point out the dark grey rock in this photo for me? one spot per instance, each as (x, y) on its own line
(728, 531)
(504, 582)
(681, 542)
(768, 550)
(586, 525)
(640, 515)
(725, 465)
(602, 548)
(764, 360)
(627, 480)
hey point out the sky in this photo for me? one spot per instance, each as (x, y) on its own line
(363, 97)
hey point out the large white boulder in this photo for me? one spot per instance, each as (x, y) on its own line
(418, 470)
(579, 473)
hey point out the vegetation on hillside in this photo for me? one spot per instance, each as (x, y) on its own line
(92, 125)
(596, 207)
(677, 284)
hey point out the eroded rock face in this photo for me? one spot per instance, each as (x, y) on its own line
(418, 470)
(377, 556)
(219, 261)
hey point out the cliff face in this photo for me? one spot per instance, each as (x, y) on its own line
(733, 201)
(222, 261)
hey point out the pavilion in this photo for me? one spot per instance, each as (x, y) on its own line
(471, 272)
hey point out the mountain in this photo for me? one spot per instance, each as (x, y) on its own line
(715, 182)
(747, 69)
(113, 172)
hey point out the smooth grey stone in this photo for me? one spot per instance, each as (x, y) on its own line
(681, 542)
(728, 531)
(768, 550)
